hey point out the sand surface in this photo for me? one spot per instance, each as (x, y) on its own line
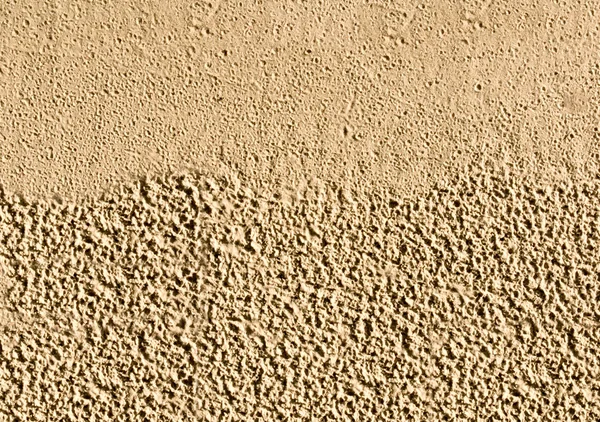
(299, 210)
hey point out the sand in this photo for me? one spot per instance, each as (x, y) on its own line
(392, 93)
(363, 210)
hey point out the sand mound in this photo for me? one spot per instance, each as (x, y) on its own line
(187, 298)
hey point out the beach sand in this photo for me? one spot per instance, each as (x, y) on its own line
(299, 210)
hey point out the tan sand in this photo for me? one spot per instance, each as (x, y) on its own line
(190, 298)
(393, 93)
(299, 210)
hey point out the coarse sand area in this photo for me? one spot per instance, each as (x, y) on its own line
(299, 210)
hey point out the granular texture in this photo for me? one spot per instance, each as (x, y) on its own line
(189, 298)
(400, 92)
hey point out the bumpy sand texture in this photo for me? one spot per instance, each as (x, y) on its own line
(186, 298)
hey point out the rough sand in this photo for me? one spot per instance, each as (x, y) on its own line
(186, 298)
(299, 210)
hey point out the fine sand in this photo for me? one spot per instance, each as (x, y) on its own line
(299, 210)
